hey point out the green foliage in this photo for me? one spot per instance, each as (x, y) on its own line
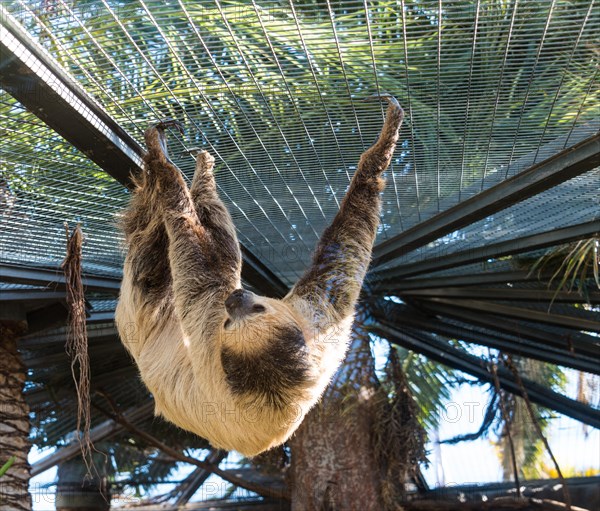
(4, 468)
(572, 265)
(430, 383)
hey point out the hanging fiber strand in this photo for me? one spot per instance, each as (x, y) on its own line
(77, 342)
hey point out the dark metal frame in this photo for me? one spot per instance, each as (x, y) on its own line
(554, 351)
(484, 252)
(470, 279)
(506, 293)
(53, 279)
(560, 320)
(575, 341)
(33, 78)
(30, 295)
(565, 165)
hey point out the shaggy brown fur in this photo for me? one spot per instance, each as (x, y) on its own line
(238, 369)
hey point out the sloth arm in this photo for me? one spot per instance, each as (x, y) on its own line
(203, 250)
(214, 215)
(333, 282)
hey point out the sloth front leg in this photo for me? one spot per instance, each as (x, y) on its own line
(203, 272)
(147, 264)
(333, 281)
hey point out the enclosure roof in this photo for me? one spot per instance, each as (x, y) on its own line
(497, 159)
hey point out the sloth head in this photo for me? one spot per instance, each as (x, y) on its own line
(263, 350)
(254, 322)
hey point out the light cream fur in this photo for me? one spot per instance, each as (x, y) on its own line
(177, 336)
(189, 386)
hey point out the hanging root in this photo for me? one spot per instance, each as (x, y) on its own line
(399, 437)
(77, 343)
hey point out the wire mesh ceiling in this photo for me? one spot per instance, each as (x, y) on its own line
(274, 90)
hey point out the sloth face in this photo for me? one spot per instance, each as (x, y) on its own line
(263, 351)
(240, 304)
(253, 322)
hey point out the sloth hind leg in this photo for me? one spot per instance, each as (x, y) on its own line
(211, 211)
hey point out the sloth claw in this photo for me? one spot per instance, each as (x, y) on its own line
(395, 112)
(194, 152)
(160, 128)
(383, 96)
(169, 123)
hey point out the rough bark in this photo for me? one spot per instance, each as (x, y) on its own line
(335, 466)
(14, 425)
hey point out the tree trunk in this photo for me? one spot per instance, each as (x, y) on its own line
(14, 425)
(358, 447)
(335, 466)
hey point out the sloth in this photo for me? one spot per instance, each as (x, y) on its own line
(238, 369)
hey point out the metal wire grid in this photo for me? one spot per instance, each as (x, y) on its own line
(273, 91)
(45, 183)
(573, 202)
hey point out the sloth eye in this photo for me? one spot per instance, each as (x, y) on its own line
(258, 308)
(227, 323)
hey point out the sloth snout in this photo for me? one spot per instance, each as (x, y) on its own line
(239, 303)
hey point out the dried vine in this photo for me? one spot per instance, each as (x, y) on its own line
(77, 342)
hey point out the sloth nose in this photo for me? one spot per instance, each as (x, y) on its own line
(238, 301)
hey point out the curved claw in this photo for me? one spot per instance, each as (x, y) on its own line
(193, 151)
(161, 126)
(169, 123)
(383, 96)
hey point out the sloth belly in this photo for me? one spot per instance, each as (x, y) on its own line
(196, 397)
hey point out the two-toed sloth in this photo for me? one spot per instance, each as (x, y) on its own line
(238, 369)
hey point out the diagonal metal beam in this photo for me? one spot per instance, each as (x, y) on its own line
(485, 252)
(30, 295)
(258, 275)
(505, 293)
(574, 341)
(553, 352)
(450, 356)
(46, 340)
(469, 279)
(565, 165)
(197, 478)
(37, 81)
(54, 278)
(104, 430)
(560, 320)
